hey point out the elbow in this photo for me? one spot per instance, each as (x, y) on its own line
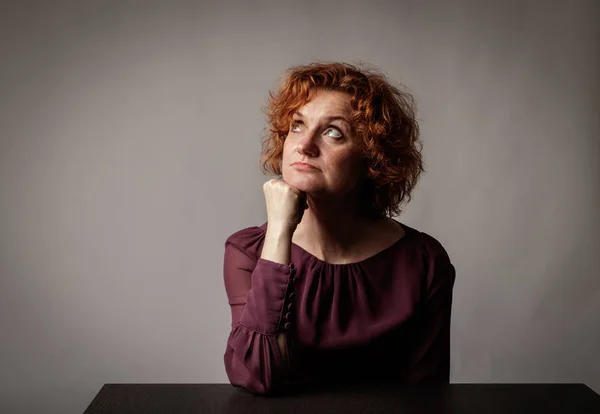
(251, 379)
(253, 387)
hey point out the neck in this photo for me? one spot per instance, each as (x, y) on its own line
(331, 227)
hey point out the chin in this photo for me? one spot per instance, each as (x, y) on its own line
(303, 182)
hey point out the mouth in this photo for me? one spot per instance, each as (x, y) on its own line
(304, 166)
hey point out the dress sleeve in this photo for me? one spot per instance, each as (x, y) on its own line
(259, 293)
(430, 359)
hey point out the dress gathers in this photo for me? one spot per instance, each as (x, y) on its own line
(385, 318)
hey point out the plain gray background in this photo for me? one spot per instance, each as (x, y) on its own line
(129, 146)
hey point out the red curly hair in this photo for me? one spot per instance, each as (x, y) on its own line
(383, 117)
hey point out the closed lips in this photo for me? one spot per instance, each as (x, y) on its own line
(304, 164)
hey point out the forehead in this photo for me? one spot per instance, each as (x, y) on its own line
(327, 101)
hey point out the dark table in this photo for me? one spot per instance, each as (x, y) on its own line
(454, 398)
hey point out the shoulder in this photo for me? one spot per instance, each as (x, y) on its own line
(425, 244)
(433, 248)
(248, 240)
(435, 260)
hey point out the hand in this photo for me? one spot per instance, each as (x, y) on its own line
(285, 205)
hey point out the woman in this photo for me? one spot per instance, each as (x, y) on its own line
(331, 289)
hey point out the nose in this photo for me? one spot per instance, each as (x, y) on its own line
(308, 145)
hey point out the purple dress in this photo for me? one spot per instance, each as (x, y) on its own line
(385, 318)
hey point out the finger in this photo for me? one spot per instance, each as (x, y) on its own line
(299, 193)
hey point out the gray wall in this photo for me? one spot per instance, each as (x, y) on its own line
(129, 143)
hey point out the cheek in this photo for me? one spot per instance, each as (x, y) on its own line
(287, 144)
(286, 156)
(344, 163)
(348, 168)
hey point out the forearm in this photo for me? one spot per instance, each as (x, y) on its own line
(277, 248)
(257, 356)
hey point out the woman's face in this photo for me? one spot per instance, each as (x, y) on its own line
(321, 135)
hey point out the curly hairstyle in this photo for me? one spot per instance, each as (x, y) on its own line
(383, 116)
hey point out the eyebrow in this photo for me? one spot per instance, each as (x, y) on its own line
(329, 118)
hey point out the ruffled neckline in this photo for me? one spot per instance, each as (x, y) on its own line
(408, 232)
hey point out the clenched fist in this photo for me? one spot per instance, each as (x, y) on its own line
(285, 205)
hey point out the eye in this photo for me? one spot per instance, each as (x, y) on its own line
(338, 133)
(295, 126)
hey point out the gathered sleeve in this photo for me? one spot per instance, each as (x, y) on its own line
(429, 360)
(259, 292)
